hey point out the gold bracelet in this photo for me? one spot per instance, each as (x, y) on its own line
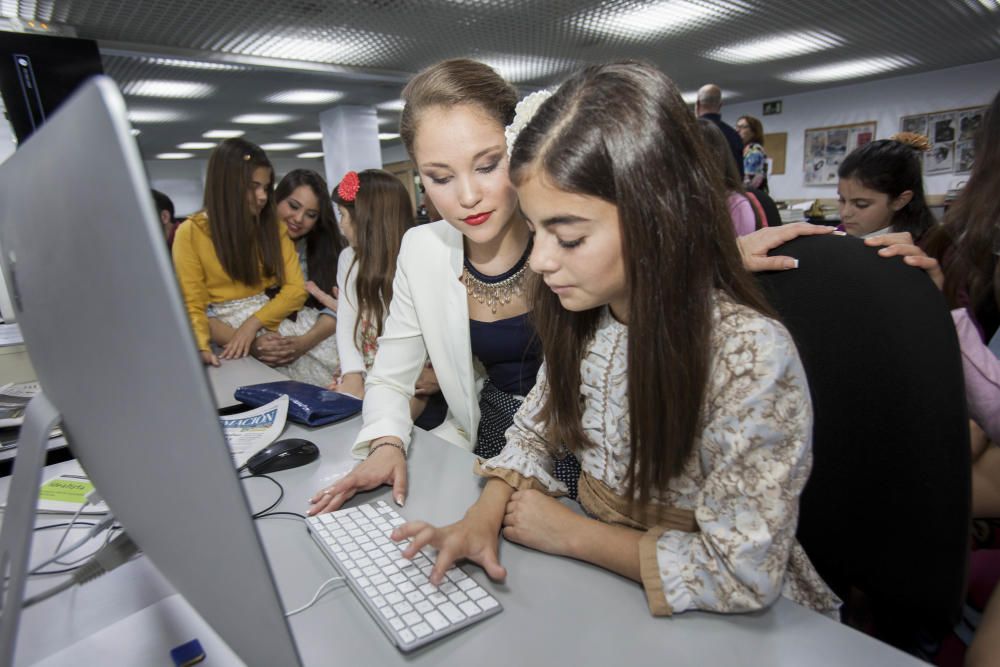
(390, 444)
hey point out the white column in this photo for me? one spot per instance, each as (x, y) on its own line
(350, 141)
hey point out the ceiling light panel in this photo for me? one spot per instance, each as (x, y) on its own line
(527, 68)
(306, 136)
(335, 45)
(305, 97)
(387, 136)
(173, 89)
(194, 64)
(155, 115)
(223, 134)
(174, 156)
(196, 145)
(656, 19)
(263, 118)
(774, 47)
(691, 97)
(308, 156)
(280, 146)
(391, 105)
(852, 69)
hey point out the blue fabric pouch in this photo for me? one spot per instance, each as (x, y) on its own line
(307, 403)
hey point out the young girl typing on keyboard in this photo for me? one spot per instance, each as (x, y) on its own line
(665, 373)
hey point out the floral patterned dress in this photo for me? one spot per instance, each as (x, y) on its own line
(755, 167)
(721, 536)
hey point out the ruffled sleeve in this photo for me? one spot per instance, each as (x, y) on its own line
(756, 456)
(525, 462)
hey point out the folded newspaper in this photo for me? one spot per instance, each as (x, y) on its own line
(249, 432)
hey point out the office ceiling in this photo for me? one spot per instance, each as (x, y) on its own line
(245, 51)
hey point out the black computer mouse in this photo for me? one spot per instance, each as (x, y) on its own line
(282, 455)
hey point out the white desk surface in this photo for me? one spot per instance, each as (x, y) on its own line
(556, 610)
(234, 373)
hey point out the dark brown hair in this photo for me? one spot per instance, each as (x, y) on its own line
(756, 129)
(324, 242)
(892, 167)
(381, 213)
(244, 242)
(622, 133)
(968, 243)
(453, 82)
(722, 155)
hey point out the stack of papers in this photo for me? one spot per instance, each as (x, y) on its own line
(10, 334)
(14, 399)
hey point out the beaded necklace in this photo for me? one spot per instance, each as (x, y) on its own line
(496, 291)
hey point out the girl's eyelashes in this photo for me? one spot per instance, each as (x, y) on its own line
(570, 244)
(485, 169)
(488, 168)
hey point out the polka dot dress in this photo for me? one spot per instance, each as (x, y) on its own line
(497, 410)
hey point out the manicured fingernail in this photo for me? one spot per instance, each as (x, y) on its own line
(399, 500)
(840, 232)
(795, 264)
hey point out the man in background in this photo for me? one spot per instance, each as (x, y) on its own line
(709, 106)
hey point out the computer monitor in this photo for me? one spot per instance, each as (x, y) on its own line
(109, 338)
(39, 72)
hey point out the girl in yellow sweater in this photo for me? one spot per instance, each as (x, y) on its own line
(229, 253)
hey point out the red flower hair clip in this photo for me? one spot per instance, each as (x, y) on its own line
(349, 186)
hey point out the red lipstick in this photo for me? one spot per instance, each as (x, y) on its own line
(477, 219)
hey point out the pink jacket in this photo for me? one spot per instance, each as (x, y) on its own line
(982, 375)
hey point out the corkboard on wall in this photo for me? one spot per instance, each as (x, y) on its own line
(775, 145)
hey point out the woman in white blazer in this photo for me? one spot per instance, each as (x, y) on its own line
(459, 291)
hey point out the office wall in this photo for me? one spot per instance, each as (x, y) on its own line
(883, 101)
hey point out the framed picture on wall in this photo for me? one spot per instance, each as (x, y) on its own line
(941, 158)
(951, 133)
(965, 153)
(826, 148)
(915, 124)
(942, 127)
(968, 123)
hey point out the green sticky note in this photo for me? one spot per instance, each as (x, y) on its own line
(65, 490)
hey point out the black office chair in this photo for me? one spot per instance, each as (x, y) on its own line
(886, 511)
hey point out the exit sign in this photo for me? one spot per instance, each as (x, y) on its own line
(772, 108)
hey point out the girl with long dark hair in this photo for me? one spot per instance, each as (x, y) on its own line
(229, 253)
(666, 375)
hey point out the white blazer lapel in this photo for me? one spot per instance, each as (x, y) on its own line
(456, 326)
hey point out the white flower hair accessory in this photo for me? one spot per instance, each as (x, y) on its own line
(523, 113)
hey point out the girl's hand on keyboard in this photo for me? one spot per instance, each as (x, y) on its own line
(470, 539)
(387, 465)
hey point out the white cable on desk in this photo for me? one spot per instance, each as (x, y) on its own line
(319, 591)
(91, 534)
(120, 550)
